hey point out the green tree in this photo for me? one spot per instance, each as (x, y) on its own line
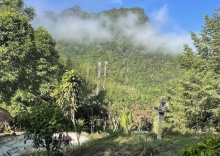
(68, 93)
(28, 58)
(207, 42)
(17, 6)
(47, 62)
(194, 101)
(16, 54)
(41, 123)
(195, 98)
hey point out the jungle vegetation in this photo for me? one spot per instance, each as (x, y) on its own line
(112, 86)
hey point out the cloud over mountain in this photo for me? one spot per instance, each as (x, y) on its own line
(77, 25)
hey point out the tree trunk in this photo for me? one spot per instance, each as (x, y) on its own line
(74, 126)
(78, 137)
(73, 117)
(48, 149)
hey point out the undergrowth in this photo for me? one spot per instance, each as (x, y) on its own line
(131, 145)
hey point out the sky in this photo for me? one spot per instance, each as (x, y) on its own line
(174, 19)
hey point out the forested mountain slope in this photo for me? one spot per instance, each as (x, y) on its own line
(134, 72)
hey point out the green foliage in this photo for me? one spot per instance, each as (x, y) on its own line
(194, 102)
(17, 6)
(15, 52)
(133, 74)
(47, 63)
(209, 146)
(69, 90)
(126, 121)
(28, 57)
(79, 124)
(195, 96)
(68, 93)
(207, 43)
(79, 128)
(41, 123)
(144, 147)
(135, 77)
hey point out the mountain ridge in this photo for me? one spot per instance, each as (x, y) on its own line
(113, 14)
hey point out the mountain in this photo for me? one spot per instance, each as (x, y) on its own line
(113, 13)
(123, 12)
(75, 11)
(135, 74)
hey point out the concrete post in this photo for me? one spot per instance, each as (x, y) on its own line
(161, 111)
(160, 126)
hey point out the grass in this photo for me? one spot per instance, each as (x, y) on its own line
(134, 145)
(131, 145)
(171, 144)
(103, 146)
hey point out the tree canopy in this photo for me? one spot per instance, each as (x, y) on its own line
(28, 57)
(195, 98)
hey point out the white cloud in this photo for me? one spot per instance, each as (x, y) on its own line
(149, 37)
(98, 29)
(160, 16)
(75, 28)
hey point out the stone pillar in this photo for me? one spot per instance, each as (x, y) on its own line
(161, 111)
(160, 121)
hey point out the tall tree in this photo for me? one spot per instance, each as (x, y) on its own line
(16, 53)
(68, 92)
(28, 57)
(195, 99)
(207, 42)
(17, 6)
(47, 63)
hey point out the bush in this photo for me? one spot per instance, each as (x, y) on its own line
(41, 122)
(145, 147)
(209, 146)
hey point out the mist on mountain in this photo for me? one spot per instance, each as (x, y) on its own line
(76, 25)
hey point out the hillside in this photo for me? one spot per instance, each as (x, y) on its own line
(144, 73)
(132, 69)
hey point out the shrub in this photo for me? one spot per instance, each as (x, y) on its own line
(145, 147)
(41, 122)
(209, 146)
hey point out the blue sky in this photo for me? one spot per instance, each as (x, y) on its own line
(182, 15)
